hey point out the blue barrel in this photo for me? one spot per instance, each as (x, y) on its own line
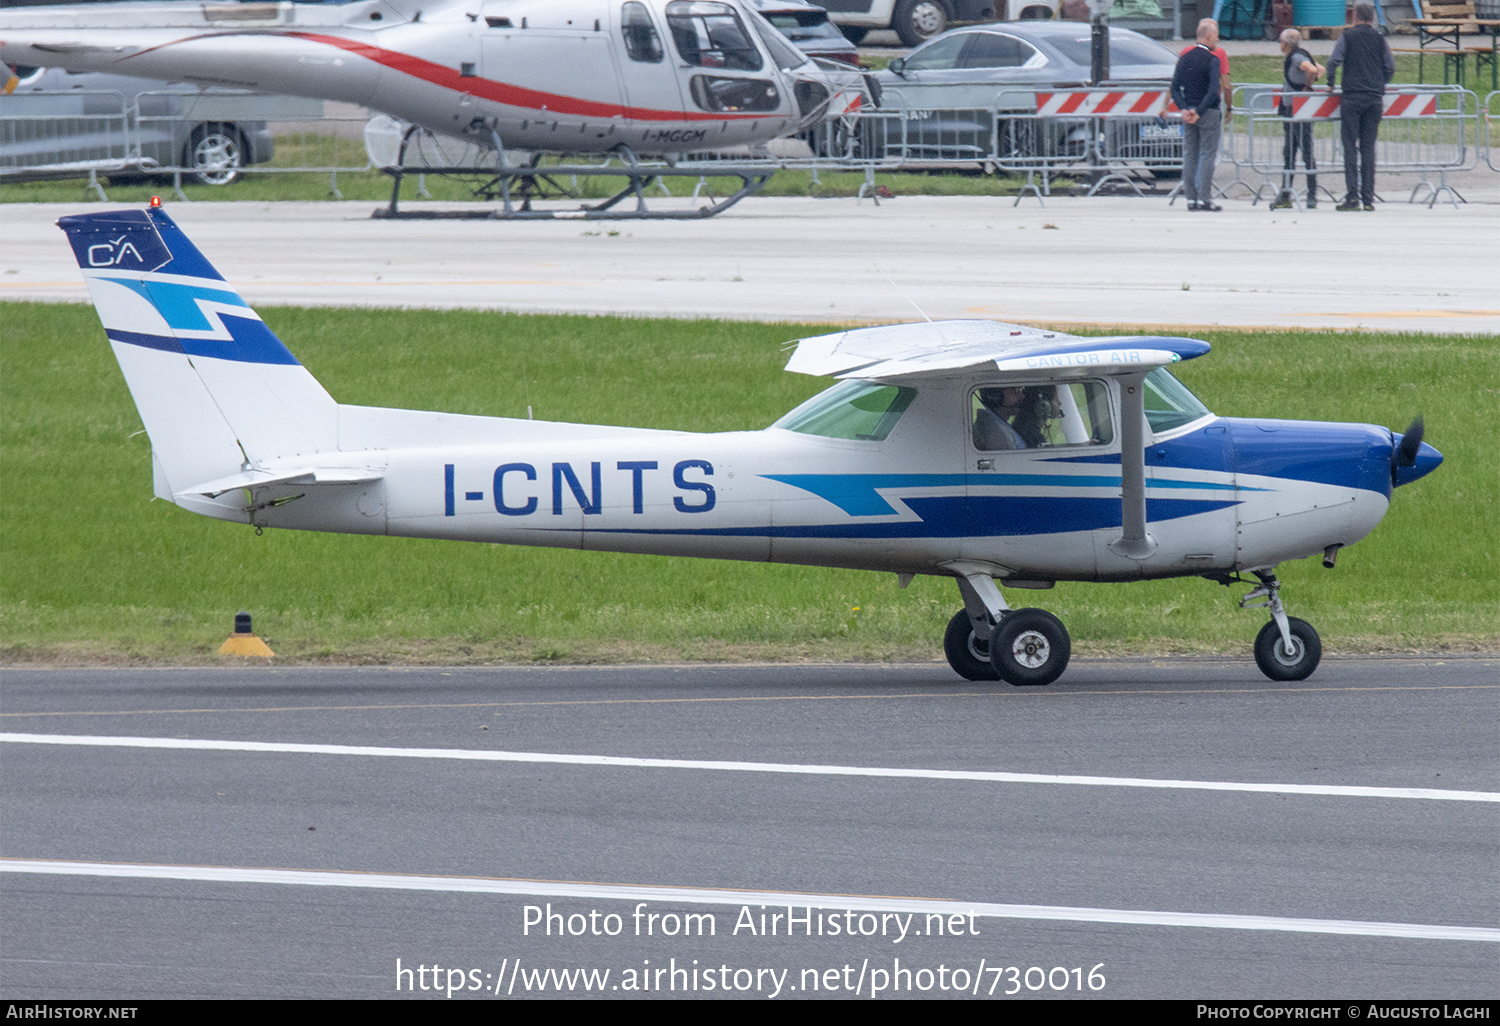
(1317, 12)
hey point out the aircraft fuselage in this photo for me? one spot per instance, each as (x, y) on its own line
(560, 76)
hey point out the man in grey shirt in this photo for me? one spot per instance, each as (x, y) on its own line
(1368, 66)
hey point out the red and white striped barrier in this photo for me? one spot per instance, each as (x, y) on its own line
(1318, 106)
(1104, 103)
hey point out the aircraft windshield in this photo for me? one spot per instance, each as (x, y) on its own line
(1169, 404)
(865, 411)
(710, 35)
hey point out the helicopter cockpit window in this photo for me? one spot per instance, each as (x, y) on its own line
(711, 92)
(1169, 404)
(641, 41)
(863, 411)
(1040, 416)
(711, 35)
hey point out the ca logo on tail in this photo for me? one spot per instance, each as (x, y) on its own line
(114, 253)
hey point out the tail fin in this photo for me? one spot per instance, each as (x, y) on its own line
(217, 391)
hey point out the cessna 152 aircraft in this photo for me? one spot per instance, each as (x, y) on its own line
(638, 77)
(971, 449)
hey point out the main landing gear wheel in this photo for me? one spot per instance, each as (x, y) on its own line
(1030, 647)
(967, 653)
(1274, 660)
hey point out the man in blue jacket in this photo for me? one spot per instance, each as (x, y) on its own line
(1368, 66)
(1195, 90)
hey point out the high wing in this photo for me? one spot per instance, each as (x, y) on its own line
(942, 347)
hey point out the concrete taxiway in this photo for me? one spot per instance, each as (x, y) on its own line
(1181, 828)
(1077, 261)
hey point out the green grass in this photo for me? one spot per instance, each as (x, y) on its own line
(91, 568)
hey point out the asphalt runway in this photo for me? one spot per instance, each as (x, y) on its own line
(1076, 261)
(1178, 828)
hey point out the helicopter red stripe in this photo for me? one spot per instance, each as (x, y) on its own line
(501, 92)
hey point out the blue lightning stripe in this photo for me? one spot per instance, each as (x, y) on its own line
(857, 495)
(178, 302)
(986, 516)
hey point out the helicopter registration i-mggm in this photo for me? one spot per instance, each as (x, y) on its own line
(970, 449)
(632, 77)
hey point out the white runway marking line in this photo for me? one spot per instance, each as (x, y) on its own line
(992, 776)
(712, 896)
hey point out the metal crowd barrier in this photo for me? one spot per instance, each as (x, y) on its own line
(306, 138)
(1488, 116)
(65, 134)
(1113, 133)
(211, 137)
(1426, 130)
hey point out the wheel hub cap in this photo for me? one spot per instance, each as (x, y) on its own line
(1031, 649)
(927, 18)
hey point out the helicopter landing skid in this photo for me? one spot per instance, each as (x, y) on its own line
(516, 188)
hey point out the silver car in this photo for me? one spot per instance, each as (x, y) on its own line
(60, 125)
(944, 86)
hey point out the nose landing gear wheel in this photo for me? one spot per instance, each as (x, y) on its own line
(1030, 647)
(1279, 664)
(967, 653)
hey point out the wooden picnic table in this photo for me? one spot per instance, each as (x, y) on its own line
(1451, 30)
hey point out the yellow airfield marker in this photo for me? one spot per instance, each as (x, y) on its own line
(243, 641)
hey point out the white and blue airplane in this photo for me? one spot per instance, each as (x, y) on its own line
(995, 454)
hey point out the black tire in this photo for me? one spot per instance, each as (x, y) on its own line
(917, 21)
(1030, 648)
(216, 153)
(968, 655)
(1273, 660)
(854, 33)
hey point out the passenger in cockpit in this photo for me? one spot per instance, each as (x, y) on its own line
(1038, 409)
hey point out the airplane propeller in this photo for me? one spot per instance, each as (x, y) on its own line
(1405, 454)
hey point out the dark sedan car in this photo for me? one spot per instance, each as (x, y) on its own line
(944, 86)
(809, 29)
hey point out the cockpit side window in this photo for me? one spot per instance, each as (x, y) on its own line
(1169, 404)
(863, 411)
(711, 35)
(641, 41)
(1040, 416)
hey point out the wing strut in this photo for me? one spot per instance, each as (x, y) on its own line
(1135, 542)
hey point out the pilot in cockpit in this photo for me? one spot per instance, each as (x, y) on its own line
(1014, 417)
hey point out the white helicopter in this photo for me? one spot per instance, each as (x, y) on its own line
(976, 450)
(632, 77)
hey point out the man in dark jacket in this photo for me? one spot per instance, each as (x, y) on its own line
(1195, 90)
(1368, 66)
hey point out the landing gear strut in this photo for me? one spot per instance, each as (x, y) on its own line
(1286, 648)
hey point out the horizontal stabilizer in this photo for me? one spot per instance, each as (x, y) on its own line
(309, 476)
(937, 347)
